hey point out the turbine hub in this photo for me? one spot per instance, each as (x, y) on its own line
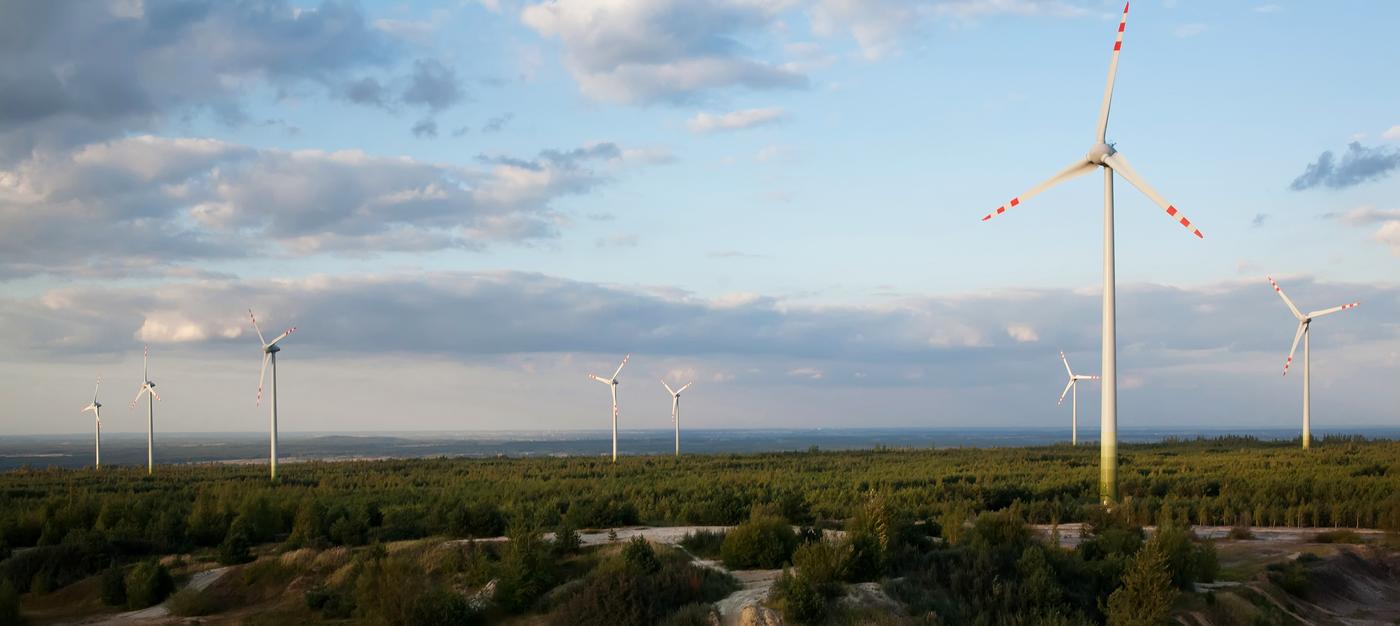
(1098, 153)
(272, 349)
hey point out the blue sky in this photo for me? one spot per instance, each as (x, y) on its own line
(780, 199)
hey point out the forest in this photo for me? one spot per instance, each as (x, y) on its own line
(944, 529)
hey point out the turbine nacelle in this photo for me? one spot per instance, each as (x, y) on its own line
(1099, 154)
(272, 348)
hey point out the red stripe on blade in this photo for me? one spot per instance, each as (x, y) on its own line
(1015, 201)
(1117, 45)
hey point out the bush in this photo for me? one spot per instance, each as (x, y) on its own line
(148, 584)
(527, 569)
(703, 543)
(394, 591)
(1146, 597)
(114, 586)
(640, 557)
(566, 539)
(331, 603)
(800, 600)
(192, 603)
(1340, 535)
(236, 548)
(763, 542)
(618, 593)
(1291, 576)
(697, 614)
(9, 604)
(1188, 560)
(823, 564)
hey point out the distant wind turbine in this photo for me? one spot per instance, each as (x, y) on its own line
(1104, 155)
(96, 408)
(1073, 386)
(676, 410)
(613, 382)
(1304, 325)
(148, 388)
(270, 350)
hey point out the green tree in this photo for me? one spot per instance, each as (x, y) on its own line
(763, 542)
(9, 605)
(148, 584)
(114, 586)
(1147, 594)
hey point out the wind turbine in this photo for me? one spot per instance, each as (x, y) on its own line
(1104, 155)
(676, 410)
(1304, 324)
(148, 387)
(613, 382)
(270, 350)
(1073, 386)
(96, 408)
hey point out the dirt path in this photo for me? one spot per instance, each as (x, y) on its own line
(155, 614)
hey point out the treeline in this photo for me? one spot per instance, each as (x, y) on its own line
(83, 519)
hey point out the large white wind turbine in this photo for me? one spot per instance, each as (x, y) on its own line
(676, 410)
(613, 383)
(96, 408)
(1073, 386)
(270, 350)
(1304, 324)
(148, 388)
(1104, 155)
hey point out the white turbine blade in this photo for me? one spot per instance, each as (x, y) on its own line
(146, 363)
(687, 386)
(599, 379)
(1065, 392)
(138, 395)
(619, 367)
(1102, 131)
(1066, 362)
(1279, 290)
(90, 407)
(1316, 314)
(1086, 377)
(95, 389)
(668, 388)
(1078, 168)
(266, 356)
(1120, 166)
(282, 336)
(152, 391)
(1296, 336)
(255, 327)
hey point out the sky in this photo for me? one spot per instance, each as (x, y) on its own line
(466, 207)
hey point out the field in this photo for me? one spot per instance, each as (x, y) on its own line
(918, 528)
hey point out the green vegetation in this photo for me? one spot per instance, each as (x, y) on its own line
(940, 531)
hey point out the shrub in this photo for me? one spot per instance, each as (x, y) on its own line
(527, 569)
(1340, 535)
(1291, 576)
(9, 604)
(703, 543)
(697, 614)
(823, 564)
(1146, 597)
(394, 591)
(114, 586)
(566, 539)
(1187, 560)
(331, 603)
(800, 600)
(763, 542)
(148, 584)
(236, 547)
(618, 593)
(640, 557)
(192, 603)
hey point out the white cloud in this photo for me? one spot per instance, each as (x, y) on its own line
(661, 50)
(807, 372)
(1190, 30)
(735, 120)
(1022, 333)
(1392, 133)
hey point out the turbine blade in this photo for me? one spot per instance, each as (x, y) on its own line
(146, 363)
(138, 395)
(282, 336)
(1120, 166)
(1066, 362)
(1078, 168)
(1316, 314)
(624, 364)
(1102, 131)
(1065, 392)
(153, 393)
(266, 356)
(687, 386)
(255, 327)
(599, 379)
(668, 387)
(1279, 290)
(1296, 336)
(1086, 377)
(95, 389)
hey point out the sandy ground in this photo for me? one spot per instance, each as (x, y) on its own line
(1072, 534)
(199, 582)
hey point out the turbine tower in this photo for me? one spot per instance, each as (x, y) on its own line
(96, 408)
(270, 350)
(676, 410)
(1304, 324)
(148, 388)
(1073, 386)
(1104, 155)
(613, 382)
